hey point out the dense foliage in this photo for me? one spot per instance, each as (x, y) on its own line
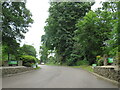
(77, 34)
(16, 19)
(28, 50)
(44, 54)
(10, 52)
(61, 26)
(28, 60)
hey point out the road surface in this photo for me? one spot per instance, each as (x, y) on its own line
(56, 77)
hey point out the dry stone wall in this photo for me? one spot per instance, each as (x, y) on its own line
(112, 73)
(14, 70)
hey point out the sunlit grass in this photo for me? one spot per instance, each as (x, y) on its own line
(85, 67)
(37, 68)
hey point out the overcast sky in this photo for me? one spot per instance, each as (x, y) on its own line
(39, 10)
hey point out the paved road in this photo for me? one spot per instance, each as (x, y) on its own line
(56, 77)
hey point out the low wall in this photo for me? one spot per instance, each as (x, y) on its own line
(110, 72)
(14, 70)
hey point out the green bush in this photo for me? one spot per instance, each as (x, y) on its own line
(82, 62)
(28, 60)
(100, 62)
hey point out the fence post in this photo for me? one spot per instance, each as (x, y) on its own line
(105, 59)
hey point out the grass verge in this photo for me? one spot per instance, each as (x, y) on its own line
(85, 67)
(37, 68)
(51, 64)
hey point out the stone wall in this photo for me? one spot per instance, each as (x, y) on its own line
(110, 72)
(14, 70)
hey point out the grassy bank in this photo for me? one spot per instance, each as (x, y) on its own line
(85, 67)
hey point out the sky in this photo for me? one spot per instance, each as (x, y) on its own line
(39, 10)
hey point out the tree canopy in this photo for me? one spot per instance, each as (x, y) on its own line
(61, 26)
(28, 50)
(77, 34)
(16, 20)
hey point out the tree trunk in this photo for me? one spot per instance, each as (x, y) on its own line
(119, 34)
(8, 56)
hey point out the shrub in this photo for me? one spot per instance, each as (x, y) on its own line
(100, 62)
(28, 60)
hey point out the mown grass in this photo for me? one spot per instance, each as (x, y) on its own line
(85, 67)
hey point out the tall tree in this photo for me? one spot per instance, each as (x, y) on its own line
(44, 54)
(61, 25)
(16, 20)
(118, 5)
(111, 43)
(96, 34)
(10, 49)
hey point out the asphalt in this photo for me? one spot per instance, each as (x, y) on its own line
(56, 77)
